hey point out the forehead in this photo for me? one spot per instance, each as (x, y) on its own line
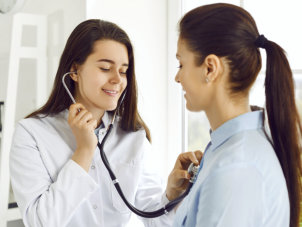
(110, 49)
(182, 49)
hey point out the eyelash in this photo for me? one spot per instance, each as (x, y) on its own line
(107, 70)
(104, 69)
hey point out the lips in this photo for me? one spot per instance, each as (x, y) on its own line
(110, 92)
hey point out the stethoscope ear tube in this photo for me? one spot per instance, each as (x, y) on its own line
(167, 208)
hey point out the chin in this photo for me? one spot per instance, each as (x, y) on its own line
(111, 107)
(193, 108)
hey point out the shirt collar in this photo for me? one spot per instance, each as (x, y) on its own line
(106, 119)
(247, 121)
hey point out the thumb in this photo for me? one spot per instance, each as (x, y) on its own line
(178, 176)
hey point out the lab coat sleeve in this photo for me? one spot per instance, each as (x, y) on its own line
(41, 201)
(150, 194)
(231, 197)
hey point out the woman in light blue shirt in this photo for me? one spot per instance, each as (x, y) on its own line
(247, 177)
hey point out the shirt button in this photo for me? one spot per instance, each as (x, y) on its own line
(95, 206)
(93, 167)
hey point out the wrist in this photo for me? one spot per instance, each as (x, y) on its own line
(172, 194)
(83, 158)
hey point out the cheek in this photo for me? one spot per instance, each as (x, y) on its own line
(124, 83)
(187, 81)
(91, 84)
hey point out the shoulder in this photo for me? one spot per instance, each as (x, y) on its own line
(137, 137)
(248, 154)
(249, 147)
(41, 124)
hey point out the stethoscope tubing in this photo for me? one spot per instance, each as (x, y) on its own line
(153, 214)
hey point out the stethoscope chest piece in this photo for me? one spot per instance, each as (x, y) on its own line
(193, 171)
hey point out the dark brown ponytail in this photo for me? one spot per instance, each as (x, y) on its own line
(285, 124)
(229, 31)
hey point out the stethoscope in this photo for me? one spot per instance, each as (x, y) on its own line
(193, 170)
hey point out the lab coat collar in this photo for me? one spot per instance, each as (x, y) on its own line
(247, 121)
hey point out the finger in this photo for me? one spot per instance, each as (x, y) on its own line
(182, 174)
(187, 158)
(74, 109)
(92, 124)
(179, 176)
(75, 119)
(86, 117)
(198, 155)
(80, 115)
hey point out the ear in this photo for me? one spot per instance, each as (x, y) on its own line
(74, 75)
(214, 67)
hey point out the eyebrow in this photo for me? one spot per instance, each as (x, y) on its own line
(177, 55)
(111, 62)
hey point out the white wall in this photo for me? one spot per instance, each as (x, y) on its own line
(5, 28)
(67, 14)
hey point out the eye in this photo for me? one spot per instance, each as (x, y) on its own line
(180, 66)
(123, 73)
(104, 69)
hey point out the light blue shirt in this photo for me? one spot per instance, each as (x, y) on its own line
(241, 182)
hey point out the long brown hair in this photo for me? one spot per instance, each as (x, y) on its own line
(229, 31)
(78, 47)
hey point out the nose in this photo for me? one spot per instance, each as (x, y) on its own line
(116, 77)
(177, 78)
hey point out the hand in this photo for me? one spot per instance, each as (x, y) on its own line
(178, 179)
(83, 125)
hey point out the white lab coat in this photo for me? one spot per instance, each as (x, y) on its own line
(53, 190)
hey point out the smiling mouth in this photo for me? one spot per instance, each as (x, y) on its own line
(110, 92)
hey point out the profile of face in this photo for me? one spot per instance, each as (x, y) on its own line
(193, 79)
(102, 78)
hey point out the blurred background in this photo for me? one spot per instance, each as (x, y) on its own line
(33, 34)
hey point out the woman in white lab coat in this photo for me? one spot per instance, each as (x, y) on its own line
(57, 174)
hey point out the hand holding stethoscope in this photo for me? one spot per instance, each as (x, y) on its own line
(82, 126)
(179, 178)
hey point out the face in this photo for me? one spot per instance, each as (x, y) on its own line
(192, 79)
(101, 79)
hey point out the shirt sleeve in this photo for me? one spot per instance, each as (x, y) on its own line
(150, 195)
(231, 196)
(41, 201)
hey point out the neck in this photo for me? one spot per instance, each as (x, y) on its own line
(223, 110)
(97, 114)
